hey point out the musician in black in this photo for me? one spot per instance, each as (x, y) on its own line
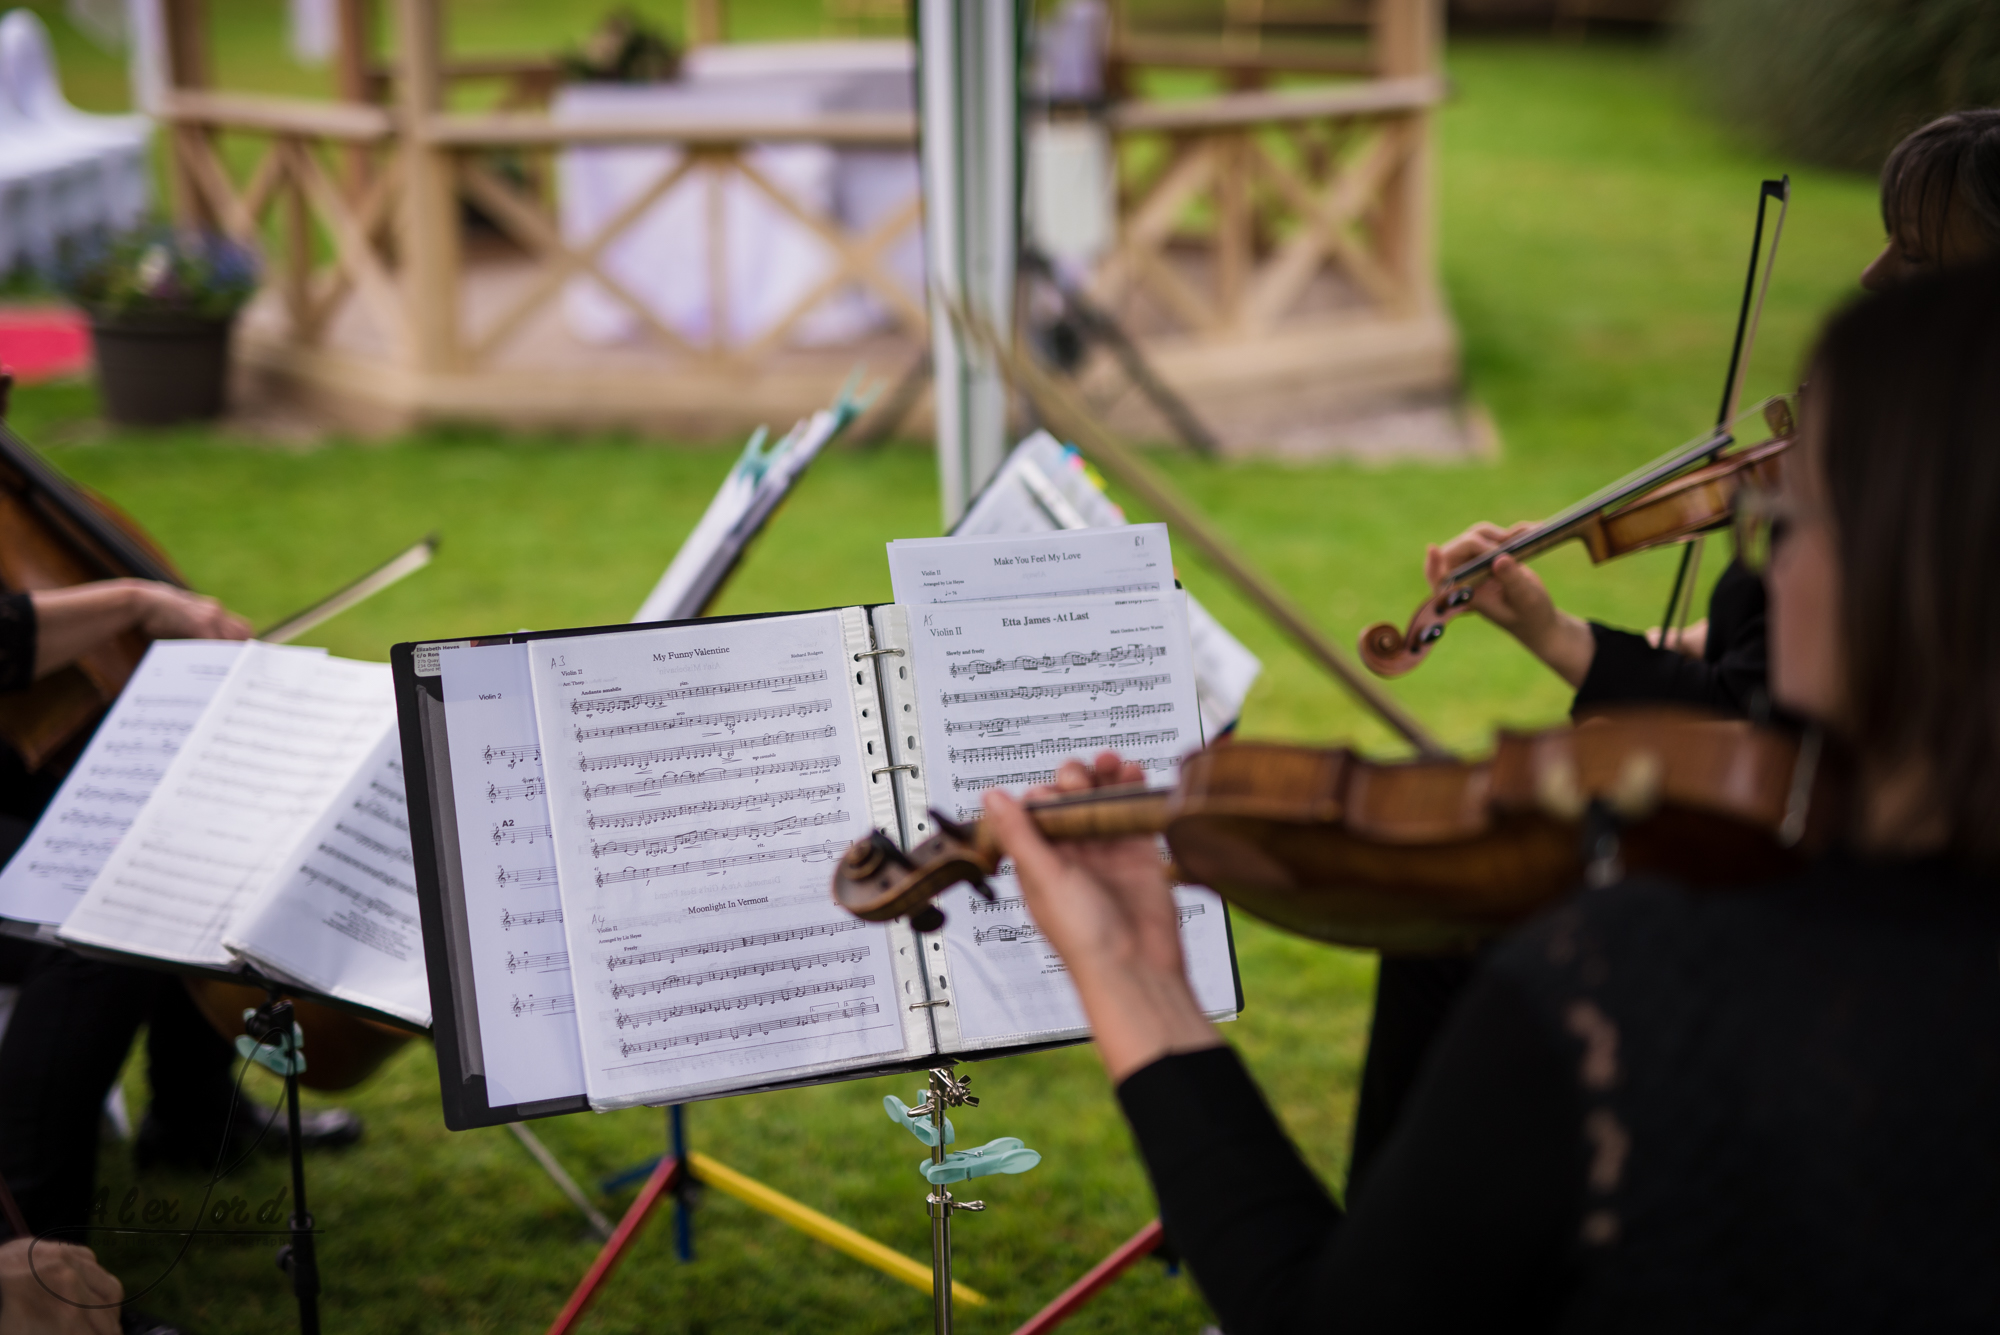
(74, 1018)
(1941, 210)
(1657, 1108)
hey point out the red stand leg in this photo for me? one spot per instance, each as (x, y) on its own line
(658, 1185)
(1111, 1267)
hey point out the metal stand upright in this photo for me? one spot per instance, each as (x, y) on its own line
(274, 1042)
(946, 1091)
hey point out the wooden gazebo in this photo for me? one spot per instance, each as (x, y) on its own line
(1273, 249)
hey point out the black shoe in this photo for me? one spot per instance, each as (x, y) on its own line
(321, 1128)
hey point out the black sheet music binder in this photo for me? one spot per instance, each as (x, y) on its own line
(473, 869)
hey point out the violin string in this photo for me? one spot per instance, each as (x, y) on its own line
(1763, 290)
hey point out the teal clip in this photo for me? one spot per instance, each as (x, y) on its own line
(923, 1129)
(853, 400)
(280, 1058)
(755, 460)
(1005, 1155)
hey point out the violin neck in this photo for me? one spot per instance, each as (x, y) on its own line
(1103, 813)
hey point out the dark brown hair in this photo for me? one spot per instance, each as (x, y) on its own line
(1909, 382)
(1954, 159)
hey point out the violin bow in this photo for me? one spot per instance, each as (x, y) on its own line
(406, 562)
(1680, 602)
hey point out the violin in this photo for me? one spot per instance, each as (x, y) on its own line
(1678, 498)
(1686, 494)
(54, 534)
(1424, 855)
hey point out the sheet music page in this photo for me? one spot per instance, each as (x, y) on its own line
(520, 953)
(1008, 691)
(113, 777)
(702, 781)
(283, 735)
(341, 914)
(1131, 562)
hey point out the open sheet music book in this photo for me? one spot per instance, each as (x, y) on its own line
(239, 812)
(625, 836)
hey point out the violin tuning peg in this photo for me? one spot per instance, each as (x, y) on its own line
(928, 918)
(979, 884)
(952, 829)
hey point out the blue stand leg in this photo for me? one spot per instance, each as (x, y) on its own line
(683, 1199)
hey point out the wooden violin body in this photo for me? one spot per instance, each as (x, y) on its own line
(54, 534)
(1423, 855)
(1681, 504)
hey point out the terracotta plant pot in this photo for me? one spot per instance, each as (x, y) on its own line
(155, 370)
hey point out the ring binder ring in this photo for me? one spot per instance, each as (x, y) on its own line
(876, 653)
(891, 769)
(926, 1005)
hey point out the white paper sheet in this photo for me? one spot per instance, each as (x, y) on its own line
(341, 914)
(520, 953)
(702, 781)
(113, 777)
(1008, 691)
(282, 737)
(1131, 562)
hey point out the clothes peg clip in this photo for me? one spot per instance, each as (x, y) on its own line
(1005, 1155)
(919, 1120)
(281, 1058)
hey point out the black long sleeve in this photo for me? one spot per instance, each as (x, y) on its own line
(17, 642)
(1729, 676)
(1466, 1221)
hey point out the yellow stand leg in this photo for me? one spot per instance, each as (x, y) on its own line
(816, 1225)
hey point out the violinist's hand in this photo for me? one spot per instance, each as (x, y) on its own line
(1691, 640)
(56, 1288)
(71, 622)
(1106, 907)
(1517, 601)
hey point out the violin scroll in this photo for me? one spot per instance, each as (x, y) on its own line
(1389, 652)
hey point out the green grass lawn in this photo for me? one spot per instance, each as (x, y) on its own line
(1593, 233)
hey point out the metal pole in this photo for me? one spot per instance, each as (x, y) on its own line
(298, 1258)
(939, 1203)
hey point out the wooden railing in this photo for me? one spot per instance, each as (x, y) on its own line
(1249, 197)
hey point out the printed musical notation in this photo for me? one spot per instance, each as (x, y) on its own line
(508, 792)
(726, 747)
(775, 1025)
(630, 820)
(1124, 655)
(564, 1004)
(715, 774)
(618, 704)
(744, 1001)
(507, 832)
(1027, 931)
(1062, 746)
(728, 719)
(999, 727)
(512, 756)
(530, 918)
(674, 843)
(762, 968)
(538, 961)
(526, 876)
(1002, 904)
(825, 852)
(979, 783)
(722, 945)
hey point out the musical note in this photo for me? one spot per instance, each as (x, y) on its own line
(547, 961)
(515, 755)
(638, 1019)
(614, 704)
(996, 727)
(627, 820)
(715, 774)
(721, 746)
(757, 1030)
(797, 963)
(508, 833)
(1024, 931)
(673, 843)
(721, 945)
(1030, 778)
(729, 719)
(1062, 746)
(532, 788)
(527, 876)
(560, 1005)
(999, 905)
(532, 918)
(1120, 656)
(805, 853)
